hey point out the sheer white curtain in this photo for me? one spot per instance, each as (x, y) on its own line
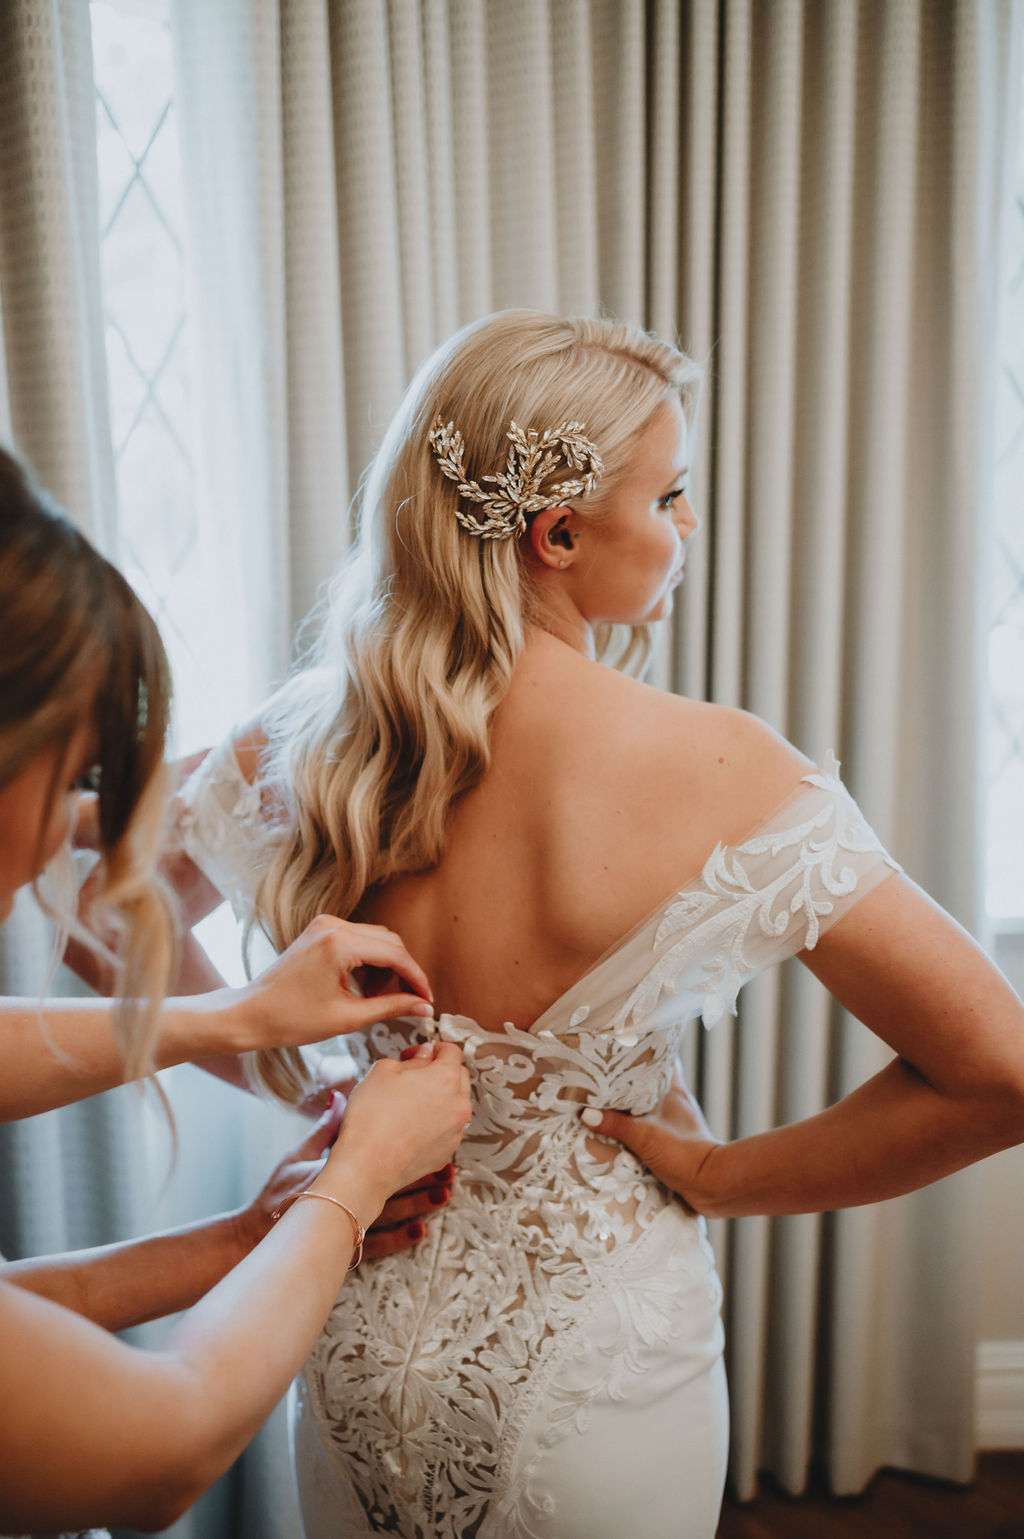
(65, 1178)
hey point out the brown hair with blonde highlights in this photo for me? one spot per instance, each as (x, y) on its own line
(77, 646)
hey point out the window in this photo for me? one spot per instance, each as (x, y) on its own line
(145, 285)
(144, 280)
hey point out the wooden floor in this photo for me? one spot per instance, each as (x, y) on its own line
(895, 1506)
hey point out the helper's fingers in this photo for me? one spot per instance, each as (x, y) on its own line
(363, 1012)
(445, 1052)
(400, 1209)
(374, 981)
(383, 949)
(417, 1050)
(323, 1132)
(388, 1242)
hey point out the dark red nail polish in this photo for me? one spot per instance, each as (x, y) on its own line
(442, 1177)
(416, 1231)
(438, 1196)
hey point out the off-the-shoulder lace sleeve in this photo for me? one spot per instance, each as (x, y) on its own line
(758, 902)
(223, 828)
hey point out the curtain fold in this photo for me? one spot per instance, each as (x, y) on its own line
(49, 259)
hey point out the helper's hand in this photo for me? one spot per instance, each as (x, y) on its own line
(400, 1224)
(673, 1141)
(406, 1118)
(306, 995)
(333, 1074)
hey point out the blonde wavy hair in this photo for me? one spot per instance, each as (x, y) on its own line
(389, 722)
(78, 647)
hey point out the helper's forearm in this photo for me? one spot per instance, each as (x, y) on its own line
(54, 1054)
(892, 1135)
(303, 1260)
(177, 1417)
(121, 1285)
(197, 976)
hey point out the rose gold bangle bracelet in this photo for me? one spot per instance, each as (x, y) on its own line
(325, 1197)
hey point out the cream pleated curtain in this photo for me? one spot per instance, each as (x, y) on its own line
(797, 192)
(802, 193)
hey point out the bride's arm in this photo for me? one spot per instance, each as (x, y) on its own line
(953, 1094)
(94, 1431)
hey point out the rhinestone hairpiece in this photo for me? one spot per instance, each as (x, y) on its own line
(532, 456)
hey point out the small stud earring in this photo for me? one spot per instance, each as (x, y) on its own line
(561, 563)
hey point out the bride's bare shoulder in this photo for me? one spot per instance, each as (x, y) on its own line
(665, 743)
(723, 742)
(713, 762)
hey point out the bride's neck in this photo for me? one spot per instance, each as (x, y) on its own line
(557, 631)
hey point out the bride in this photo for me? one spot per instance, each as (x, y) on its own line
(583, 864)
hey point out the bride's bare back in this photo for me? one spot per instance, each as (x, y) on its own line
(602, 796)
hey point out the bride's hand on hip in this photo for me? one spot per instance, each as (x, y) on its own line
(673, 1141)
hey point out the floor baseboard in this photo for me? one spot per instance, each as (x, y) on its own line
(999, 1400)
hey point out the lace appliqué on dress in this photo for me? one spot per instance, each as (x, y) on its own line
(221, 824)
(764, 900)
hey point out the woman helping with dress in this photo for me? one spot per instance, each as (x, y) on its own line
(584, 865)
(93, 1430)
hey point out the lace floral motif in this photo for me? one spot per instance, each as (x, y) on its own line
(220, 824)
(770, 892)
(434, 1361)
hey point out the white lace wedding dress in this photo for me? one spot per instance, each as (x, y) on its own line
(546, 1363)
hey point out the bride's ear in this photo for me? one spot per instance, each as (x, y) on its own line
(553, 535)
